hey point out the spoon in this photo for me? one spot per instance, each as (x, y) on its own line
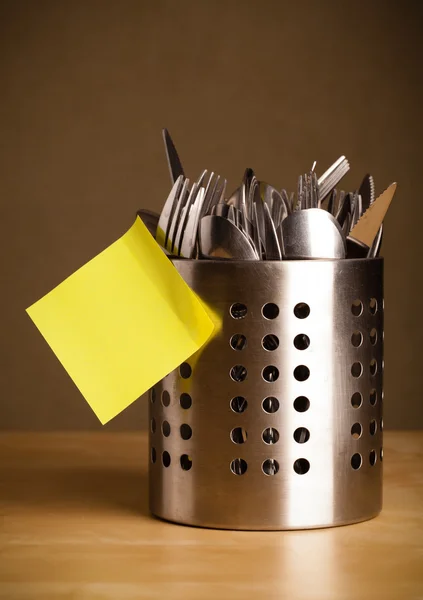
(312, 233)
(219, 238)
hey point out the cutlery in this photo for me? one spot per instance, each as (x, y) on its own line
(279, 210)
(368, 225)
(222, 210)
(215, 195)
(312, 233)
(266, 193)
(332, 206)
(332, 177)
(256, 234)
(314, 190)
(367, 191)
(176, 217)
(356, 208)
(151, 221)
(247, 196)
(377, 242)
(287, 200)
(255, 199)
(272, 247)
(231, 216)
(189, 236)
(210, 188)
(300, 203)
(168, 210)
(175, 166)
(344, 209)
(346, 225)
(257, 222)
(219, 238)
(183, 221)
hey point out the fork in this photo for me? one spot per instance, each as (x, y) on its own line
(183, 210)
(214, 193)
(183, 229)
(168, 210)
(332, 177)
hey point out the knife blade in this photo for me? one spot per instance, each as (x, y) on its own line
(175, 166)
(368, 225)
(366, 191)
(377, 242)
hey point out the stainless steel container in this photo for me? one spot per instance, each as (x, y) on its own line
(277, 422)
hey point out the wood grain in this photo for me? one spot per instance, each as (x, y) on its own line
(74, 524)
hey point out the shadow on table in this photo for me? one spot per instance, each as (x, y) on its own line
(101, 489)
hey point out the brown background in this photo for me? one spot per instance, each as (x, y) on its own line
(85, 88)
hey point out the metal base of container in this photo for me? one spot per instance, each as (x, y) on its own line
(277, 422)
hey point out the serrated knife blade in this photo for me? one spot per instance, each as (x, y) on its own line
(368, 225)
(366, 191)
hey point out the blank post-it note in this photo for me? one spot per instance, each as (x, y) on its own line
(122, 322)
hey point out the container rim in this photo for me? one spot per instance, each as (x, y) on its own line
(229, 261)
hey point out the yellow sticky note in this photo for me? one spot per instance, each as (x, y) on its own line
(122, 322)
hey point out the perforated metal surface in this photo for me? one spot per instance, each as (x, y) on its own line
(277, 422)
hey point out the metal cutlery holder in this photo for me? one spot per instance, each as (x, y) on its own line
(277, 422)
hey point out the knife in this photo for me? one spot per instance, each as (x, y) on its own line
(272, 248)
(377, 242)
(367, 191)
(175, 167)
(368, 225)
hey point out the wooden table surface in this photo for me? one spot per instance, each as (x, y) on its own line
(74, 524)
